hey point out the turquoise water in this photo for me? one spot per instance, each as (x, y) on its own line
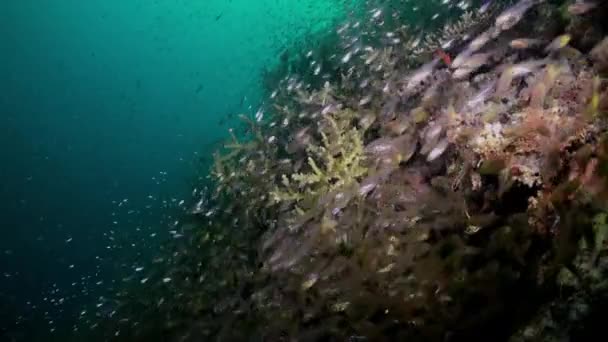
(110, 113)
(107, 109)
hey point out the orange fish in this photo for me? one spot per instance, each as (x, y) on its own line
(444, 57)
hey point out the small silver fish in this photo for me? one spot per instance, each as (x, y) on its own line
(438, 150)
(433, 132)
(485, 6)
(317, 70)
(372, 57)
(347, 57)
(421, 74)
(461, 73)
(475, 61)
(481, 40)
(461, 58)
(524, 43)
(365, 100)
(482, 95)
(447, 44)
(524, 68)
(512, 15)
(517, 70)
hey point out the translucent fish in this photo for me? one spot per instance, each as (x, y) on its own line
(470, 64)
(312, 279)
(485, 6)
(392, 151)
(387, 269)
(461, 57)
(346, 57)
(512, 15)
(330, 108)
(581, 7)
(386, 87)
(538, 94)
(415, 43)
(438, 149)
(259, 115)
(364, 83)
(365, 100)
(525, 68)
(317, 70)
(504, 82)
(419, 115)
(482, 95)
(372, 57)
(558, 43)
(380, 146)
(514, 71)
(367, 185)
(524, 43)
(367, 120)
(397, 126)
(421, 74)
(540, 90)
(433, 132)
(481, 40)
(448, 44)
(376, 13)
(343, 28)
(461, 73)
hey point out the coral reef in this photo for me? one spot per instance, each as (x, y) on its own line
(405, 196)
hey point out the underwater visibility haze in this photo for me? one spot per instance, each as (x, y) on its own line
(311, 170)
(106, 102)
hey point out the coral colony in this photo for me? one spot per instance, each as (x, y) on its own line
(421, 188)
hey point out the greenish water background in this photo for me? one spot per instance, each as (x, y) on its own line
(104, 101)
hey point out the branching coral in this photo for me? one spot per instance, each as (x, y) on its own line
(451, 33)
(244, 170)
(336, 162)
